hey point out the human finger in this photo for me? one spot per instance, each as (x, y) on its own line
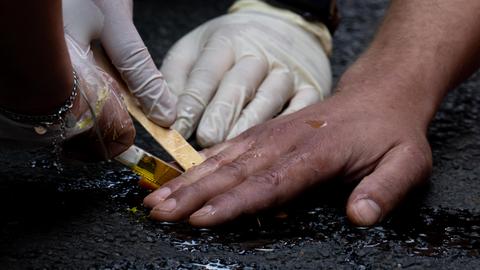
(189, 198)
(237, 88)
(130, 56)
(194, 174)
(269, 100)
(216, 58)
(288, 177)
(214, 158)
(379, 193)
(179, 61)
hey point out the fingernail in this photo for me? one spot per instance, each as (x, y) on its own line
(368, 212)
(204, 211)
(167, 206)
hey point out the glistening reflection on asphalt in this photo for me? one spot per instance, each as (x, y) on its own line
(96, 220)
(90, 216)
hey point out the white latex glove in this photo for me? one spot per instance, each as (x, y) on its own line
(242, 69)
(112, 20)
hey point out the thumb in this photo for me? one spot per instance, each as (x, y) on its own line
(130, 56)
(401, 169)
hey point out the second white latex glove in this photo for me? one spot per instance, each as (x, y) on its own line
(124, 46)
(242, 69)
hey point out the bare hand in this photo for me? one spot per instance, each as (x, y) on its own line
(347, 136)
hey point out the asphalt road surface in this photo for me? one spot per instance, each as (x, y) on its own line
(90, 216)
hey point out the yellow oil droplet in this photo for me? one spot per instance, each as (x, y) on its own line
(316, 124)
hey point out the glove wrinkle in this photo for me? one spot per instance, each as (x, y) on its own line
(131, 57)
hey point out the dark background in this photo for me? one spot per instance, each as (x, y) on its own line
(90, 216)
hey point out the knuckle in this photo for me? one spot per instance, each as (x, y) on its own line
(188, 191)
(236, 168)
(216, 160)
(267, 180)
(194, 171)
(421, 156)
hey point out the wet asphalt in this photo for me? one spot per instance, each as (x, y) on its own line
(89, 216)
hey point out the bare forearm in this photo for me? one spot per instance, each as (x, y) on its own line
(423, 49)
(35, 68)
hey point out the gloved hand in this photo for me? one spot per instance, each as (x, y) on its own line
(103, 127)
(111, 21)
(242, 69)
(99, 125)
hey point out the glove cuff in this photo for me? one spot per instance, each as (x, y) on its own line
(324, 11)
(317, 29)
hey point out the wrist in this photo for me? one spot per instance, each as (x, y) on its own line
(53, 117)
(318, 30)
(324, 11)
(391, 87)
(32, 99)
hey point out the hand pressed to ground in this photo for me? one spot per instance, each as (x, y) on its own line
(274, 162)
(373, 130)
